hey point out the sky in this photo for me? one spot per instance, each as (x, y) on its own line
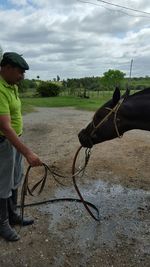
(75, 39)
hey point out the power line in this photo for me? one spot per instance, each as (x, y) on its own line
(118, 10)
(128, 8)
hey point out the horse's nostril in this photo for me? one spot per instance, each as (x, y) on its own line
(85, 141)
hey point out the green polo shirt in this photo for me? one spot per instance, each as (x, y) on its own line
(10, 104)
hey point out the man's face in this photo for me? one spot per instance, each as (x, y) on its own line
(14, 74)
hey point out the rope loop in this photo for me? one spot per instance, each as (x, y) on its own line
(41, 184)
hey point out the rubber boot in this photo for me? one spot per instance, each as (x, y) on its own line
(6, 231)
(14, 217)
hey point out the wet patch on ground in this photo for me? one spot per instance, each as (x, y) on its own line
(124, 220)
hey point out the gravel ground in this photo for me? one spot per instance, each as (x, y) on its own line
(116, 181)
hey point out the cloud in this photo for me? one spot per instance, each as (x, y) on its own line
(73, 39)
(18, 3)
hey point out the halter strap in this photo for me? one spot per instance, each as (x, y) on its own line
(112, 110)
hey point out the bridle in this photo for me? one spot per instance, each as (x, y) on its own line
(112, 110)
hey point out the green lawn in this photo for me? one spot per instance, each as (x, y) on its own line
(29, 102)
(92, 103)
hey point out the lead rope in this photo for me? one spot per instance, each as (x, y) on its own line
(76, 187)
(41, 183)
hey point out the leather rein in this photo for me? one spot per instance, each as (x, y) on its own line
(41, 183)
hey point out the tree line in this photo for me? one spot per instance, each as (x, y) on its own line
(82, 86)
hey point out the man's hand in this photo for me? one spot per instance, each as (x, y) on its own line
(33, 159)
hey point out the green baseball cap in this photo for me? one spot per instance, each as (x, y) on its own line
(15, 60)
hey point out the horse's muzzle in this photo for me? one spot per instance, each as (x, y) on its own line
(84, 139)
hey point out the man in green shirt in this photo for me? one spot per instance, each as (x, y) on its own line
(12, 149)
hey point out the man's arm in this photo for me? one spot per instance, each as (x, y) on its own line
(8, 131)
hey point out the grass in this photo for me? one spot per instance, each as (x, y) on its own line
(28, 103)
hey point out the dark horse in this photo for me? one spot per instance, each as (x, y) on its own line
(118, 116)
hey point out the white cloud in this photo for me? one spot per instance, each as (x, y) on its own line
(18, 3)
(73, 39)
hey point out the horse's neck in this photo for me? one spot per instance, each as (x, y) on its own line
(135, 113)
(138, 104)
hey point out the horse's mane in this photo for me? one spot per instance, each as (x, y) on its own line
(142, 92)
(139, 93)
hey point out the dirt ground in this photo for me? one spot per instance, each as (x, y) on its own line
(116, 180)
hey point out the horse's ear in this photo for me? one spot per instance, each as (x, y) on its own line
(116, 96)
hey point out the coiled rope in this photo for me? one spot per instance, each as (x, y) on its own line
(41, 183)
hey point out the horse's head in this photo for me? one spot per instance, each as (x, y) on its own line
(104, 125)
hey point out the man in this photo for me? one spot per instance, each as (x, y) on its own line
(12, 149)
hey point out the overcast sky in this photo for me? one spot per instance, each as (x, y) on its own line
(73, 39)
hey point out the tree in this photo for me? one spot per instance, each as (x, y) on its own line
(58, 78)
(1, 53)
(112, 78)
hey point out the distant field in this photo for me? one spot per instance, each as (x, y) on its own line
(92, 103)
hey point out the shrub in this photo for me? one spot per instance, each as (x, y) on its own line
(47, 89)
(26, 84)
